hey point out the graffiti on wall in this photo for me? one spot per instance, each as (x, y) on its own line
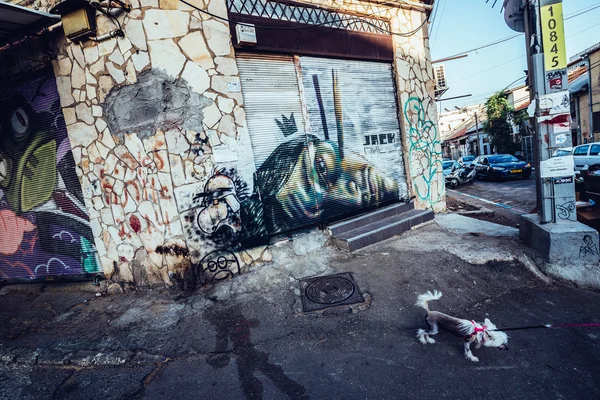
(44, 229)
(218, 265)
(425, 153)
(345, 159)
(226, 213)
(588, 247)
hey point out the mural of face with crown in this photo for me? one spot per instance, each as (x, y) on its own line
(311, 178)
(313, 182)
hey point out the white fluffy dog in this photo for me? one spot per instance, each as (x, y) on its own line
(481, 334)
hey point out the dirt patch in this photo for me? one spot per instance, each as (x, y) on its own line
(456, 205)
(496, 218)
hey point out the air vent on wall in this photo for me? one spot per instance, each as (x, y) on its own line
(440, 80)
(246, 34)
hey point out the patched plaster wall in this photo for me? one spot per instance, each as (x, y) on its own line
(150, 117)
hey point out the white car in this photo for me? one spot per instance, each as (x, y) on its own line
(565, 151)
(586, 154)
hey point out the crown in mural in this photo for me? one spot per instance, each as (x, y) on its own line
(287, 125)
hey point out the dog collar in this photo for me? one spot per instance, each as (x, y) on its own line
(476, 329)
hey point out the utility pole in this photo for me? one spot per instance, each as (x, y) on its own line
(537, 89)
(554, 231)
(590, 102)
(479, 140)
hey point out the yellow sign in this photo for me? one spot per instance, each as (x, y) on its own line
(553, 36)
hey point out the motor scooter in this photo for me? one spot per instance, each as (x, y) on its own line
(460, 176)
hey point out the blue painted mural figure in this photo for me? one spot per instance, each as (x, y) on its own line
(44, 229)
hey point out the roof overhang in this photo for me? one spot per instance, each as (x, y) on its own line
(16, 22)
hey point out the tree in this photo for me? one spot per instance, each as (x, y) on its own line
(499, 125)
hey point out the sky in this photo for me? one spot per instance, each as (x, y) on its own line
(462, 25)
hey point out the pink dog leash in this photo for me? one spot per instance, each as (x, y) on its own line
(548, 326)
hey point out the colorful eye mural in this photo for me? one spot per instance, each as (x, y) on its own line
(44, 228)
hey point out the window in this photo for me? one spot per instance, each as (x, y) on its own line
(581, 150)
(503, 158)
(596, 121)
(595, 150)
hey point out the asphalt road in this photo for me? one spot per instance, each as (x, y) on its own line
(254, 345)
(510, 198)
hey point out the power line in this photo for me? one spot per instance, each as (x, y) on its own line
(575, 14)
(489, 69)
(515, 59)
(437, 30)
(433, 18)
(586, 29)
(581, 12)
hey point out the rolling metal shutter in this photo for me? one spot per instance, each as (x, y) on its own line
(353, 104)
(325, 137)
(277, 131)
(44, 228)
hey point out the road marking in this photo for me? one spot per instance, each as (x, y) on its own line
(518, 210)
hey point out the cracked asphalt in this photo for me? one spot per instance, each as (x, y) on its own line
(516, 196)
(248, 339)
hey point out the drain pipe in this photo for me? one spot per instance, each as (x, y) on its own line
(590, 102)
(578, 112)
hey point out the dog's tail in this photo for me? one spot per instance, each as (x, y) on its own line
(425, 298)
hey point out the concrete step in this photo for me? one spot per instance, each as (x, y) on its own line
(382, 229)
(368, 218)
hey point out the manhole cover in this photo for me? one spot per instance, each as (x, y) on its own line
(329, 291)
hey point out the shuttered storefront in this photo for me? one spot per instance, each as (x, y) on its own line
(44, 229)
(281, 152)
(325, 137)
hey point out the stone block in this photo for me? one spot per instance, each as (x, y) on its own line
(166, 55)
(194, 47)
(135, 33)
(164, 24)
(570, 249)
(196, 77)
(140, 60)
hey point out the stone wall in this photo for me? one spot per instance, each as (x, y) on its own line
(158, 131)
(149, 117)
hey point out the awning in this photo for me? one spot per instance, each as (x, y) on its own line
(579, 84)
(17, 22)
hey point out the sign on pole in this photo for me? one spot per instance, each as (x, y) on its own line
(557, 167)
(553, 37)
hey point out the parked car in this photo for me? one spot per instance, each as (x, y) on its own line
(466, 160)
(586, 154)
(566, 151)
(498, 166)
(449, 166)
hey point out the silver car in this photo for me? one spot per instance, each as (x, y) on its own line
(448, 166)
(466, 160)
(586, 154)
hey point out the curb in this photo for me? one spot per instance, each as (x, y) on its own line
(81, 358)
(82, 287)
(483, 210)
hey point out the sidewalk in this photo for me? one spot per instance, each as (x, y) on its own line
(247, 338)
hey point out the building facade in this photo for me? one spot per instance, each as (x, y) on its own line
(176, 152)
(584, 87)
